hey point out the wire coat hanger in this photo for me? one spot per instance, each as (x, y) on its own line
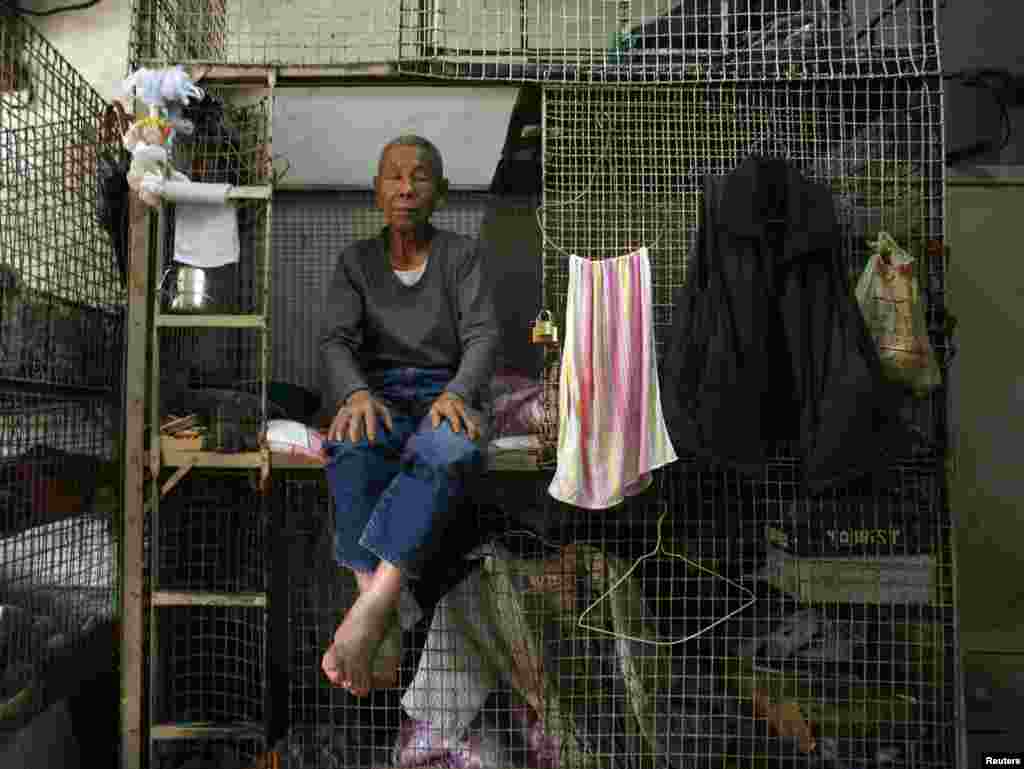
(659, 550)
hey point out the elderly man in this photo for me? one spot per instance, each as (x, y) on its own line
(409, 348)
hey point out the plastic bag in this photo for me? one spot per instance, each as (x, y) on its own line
(286, 436)
(890, 300)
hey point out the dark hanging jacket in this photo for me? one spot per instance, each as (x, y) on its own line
(768, 343)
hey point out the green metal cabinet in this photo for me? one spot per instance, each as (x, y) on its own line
(985, 231)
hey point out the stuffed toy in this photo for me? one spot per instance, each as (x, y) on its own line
(146, 140)
(158, 87)
(165, 90)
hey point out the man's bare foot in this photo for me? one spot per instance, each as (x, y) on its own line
(348, 662)
(386, 663)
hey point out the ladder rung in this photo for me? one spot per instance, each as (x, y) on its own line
(255, 192)
(170, 320)
(163, 598)
(204, 730)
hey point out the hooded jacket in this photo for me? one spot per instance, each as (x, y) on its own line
(768, 343)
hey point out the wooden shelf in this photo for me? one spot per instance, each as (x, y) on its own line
(239, 461)
(165, 598)
(197, 320)
(204, 730)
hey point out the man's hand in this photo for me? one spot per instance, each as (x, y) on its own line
(358, 415)
(451, 407)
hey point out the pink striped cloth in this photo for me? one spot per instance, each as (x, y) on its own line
(611, 430)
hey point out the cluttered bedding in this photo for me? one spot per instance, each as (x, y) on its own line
(226, 420)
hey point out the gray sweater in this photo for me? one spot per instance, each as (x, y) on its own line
(373, 321)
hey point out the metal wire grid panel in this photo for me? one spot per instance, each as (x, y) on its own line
(228, 143)
(263, 32)
(624, 167)
(61, 347)
(231, 289)
(552, 40)
(219, 359)
(665, 40)
(59, 508)
(211, 662)
(543, 656)
(854, 620)
(236, 753)
(321, 719)
(60, 288)
(325, 727)
(310, 232)
(212, 536)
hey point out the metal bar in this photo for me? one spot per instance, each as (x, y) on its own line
(166, 598)
(155, 666)
(167, 320)
(984, 181)
(258, 192)
(133, 526)
(205, 731)
(266, 467)
(242, 75)
(46, 388)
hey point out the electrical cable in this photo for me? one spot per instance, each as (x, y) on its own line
(999, 82)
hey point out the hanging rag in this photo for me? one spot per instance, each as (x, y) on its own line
(611, 432)
(205, 224)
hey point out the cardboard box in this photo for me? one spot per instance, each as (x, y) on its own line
(871, 580)
(828, 538)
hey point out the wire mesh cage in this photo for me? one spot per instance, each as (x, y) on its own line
(211, 662)
(553, 40)
(59, 508)
(220, 358)
(256, 32)
(212, 536)
(62, 271)
(228, 145)
(652, 41)
(624, 168)
(234, 753)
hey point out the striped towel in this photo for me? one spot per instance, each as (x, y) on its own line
(611, 430)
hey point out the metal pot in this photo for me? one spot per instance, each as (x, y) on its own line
(191, 291)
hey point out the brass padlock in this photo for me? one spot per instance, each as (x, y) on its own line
(544, 329)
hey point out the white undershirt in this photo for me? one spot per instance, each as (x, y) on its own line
(411, 277)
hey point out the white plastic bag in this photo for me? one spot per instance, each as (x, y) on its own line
(285, 436)
(890, 300)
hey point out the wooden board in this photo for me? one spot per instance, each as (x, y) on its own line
(132, 597)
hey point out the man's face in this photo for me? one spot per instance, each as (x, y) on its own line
(407, 189)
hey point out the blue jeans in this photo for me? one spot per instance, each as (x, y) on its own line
(395, 498)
